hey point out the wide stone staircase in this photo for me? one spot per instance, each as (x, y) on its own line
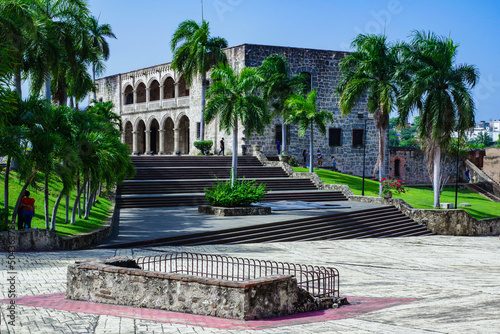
(379, 222)
(166, 181)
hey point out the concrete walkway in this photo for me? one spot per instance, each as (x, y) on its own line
(435, 284)
(141, 224)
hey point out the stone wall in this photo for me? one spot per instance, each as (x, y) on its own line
(45, 240)
(121, 281)
(413, 166)
(482, 180)
(442, 222)
(323, 67)
(491, 163)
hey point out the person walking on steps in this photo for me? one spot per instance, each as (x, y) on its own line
(304, 155)
(28, 205)
(278, 146)
(221, 147)
(320, 159)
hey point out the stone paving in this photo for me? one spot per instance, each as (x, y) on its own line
(456, 281)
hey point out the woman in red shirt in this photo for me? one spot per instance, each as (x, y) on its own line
(28, 205)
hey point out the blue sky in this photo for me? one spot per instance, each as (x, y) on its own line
(144, 29)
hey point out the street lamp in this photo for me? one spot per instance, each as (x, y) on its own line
(369, 117)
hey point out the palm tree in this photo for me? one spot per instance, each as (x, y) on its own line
(195, 52)
(279, 85)
(100, 47)
(369, 72)
(440, 90)
(303, 112)
(230, 97)
(57, 45)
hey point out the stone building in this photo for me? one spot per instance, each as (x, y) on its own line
(161, 115)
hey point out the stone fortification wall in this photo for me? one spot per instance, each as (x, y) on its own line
(491, 163)
(323, 67)
(442, 222)
(121, 281)
(413, 166)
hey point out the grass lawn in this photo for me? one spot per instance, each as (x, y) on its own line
(420, 198)
(97, 215)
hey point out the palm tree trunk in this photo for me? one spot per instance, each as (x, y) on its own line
(203, 90)
(21, 194)
(93, 78)
(77, 202)
(6, 190)
(54, 211)
(47, 93)
(67, 209)
(311, 169)
(46, 200)
(381, 145)
(283, 135)
(234, 169)
(437, 176)
(17, 82)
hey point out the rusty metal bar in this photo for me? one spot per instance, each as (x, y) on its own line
(318, 281)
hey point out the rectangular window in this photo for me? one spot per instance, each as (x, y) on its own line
(279, 135)
(198, 127)
(334, 137)
(357, 137)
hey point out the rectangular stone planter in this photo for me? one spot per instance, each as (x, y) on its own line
(236, 211)
(121, 281)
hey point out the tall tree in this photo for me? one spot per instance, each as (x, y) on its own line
(231, 98)
(99, 45)
(369, 71)
(440, 90)
(304, 113)
(278, 86)
(196, 52)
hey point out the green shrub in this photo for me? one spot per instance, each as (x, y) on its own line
(204, 146)
(243, 193)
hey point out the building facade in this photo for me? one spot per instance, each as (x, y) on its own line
(161, 114)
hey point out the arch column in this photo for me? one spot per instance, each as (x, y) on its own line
(162, 91)
(176, 140)
(135, 95)
(147, 134)
(162, 142)
(134, 142)
(147, 94)
(124, 99)
(176, 89)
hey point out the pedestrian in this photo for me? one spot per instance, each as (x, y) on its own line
(304, 155)
(278, 146)
(221, 147)
(320, 159)
(28, 205)
(467, 176)
(334, 164)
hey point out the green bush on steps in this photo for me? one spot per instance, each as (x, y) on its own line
(204, 146)
(243, 193)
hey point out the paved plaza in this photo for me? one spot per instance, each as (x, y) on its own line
(436, 284)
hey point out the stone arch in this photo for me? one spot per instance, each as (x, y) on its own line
(169, 88)
(183, 87)
(129, 136)
(140, 92)
(168, 138)
(154, 136)
(154, 90)
(141, 136)
(184, 134)
(128, 94)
